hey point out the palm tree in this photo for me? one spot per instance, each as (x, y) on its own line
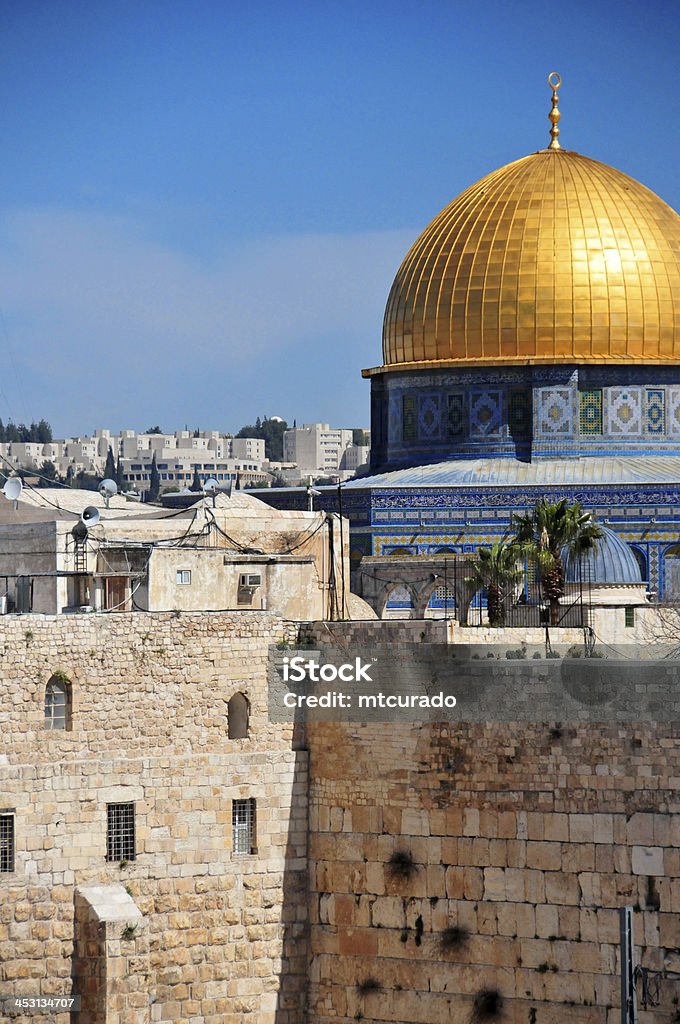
(552, 530)
(497, 571)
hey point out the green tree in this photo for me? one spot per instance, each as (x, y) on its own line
(44, 432)
(551, 532)
(154, 482)
(87, 481)
(271, 432)
(120, 474)
(110, 467)
(359, 437)
(154, 430)
(196, 484)
(496, 570)
(48, 471)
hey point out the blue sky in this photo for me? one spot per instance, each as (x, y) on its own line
(203, 204)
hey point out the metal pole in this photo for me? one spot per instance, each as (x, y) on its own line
(628, 1001)
(342, 553)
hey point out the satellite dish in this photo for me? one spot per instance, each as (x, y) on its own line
(79, 532)
(107, 489)
(89, 516)
(13, 488)
(210, 487)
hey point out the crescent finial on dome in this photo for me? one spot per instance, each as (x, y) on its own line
(554, 81)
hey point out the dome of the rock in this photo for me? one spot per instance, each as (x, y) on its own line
(555, 258)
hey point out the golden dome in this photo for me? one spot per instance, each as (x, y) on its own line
(554, 258)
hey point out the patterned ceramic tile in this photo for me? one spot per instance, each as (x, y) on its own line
(455, 423)
(520, 412)
(410, 423)
(485, 414)
(624, 411)
(674, 411)
(555, 415)
(395, 417)
(429, 417)
(656, 411)
(590, 411)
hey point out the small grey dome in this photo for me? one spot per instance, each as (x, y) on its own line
(611, 561)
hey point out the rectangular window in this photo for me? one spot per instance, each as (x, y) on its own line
(243, 827)
(455, 415)
(120, 832)
(7, 841)
(183, 576)
(630, 616)
(409, 418)
(520, 413)
(591, 412)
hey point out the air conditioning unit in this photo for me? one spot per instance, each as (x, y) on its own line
(250, 579)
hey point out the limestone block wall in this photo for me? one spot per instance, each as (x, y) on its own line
(226, 934)
(473, 871)
(111, 957)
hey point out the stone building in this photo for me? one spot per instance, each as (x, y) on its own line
(220, 553)
(153, 824)
(169, 853)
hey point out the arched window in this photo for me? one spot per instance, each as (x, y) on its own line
(238, 714)
(399, 603)
(58, 703)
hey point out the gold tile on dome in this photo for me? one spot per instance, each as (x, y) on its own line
(556, 240)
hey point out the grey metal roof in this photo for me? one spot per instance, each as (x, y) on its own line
(636, 469)
(611, 561)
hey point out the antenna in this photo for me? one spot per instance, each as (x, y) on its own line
(108, 488)
(12, 489)
(89, 516)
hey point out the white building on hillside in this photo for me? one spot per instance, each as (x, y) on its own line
(316, 448)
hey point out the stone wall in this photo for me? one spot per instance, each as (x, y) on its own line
(458, 865)
(225, 935)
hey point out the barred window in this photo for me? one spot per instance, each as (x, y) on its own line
(120, 832)
(57, 704)
(6, 841)
(243, 827)
(629, 614)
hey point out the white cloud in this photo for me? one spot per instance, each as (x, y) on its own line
(88, 297)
